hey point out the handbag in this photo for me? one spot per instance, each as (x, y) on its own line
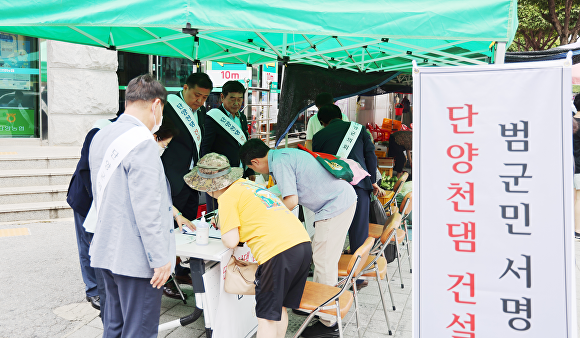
(377, 211)
(390, 252)
(240, 277)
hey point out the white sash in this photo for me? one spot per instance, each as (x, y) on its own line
(230, 126)
(116, 152)
(188, 117)
(349, 140)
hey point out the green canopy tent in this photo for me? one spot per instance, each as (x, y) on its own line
(356, 35)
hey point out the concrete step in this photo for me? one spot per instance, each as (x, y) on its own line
(34, 211)
(35, 177)
(13, 162)
(48, 193)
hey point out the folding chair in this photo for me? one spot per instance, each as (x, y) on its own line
(396, 235)
(318, 297)
(405, 209)
(376, 230)
(396, 189)
(374, 268)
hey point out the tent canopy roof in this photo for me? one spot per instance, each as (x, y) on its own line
(356, 35)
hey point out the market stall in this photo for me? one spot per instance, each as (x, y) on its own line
(324, 33)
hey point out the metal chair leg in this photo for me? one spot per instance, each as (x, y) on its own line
(355, 291)
(390, 293)
(338, 318)
(178, 288)
(407, 245)
(383, 301)
(399, 263)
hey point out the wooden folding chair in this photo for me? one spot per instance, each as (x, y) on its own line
(318, 297)
(376, 230)
(392, 202)
(374, 268)
(396, 235)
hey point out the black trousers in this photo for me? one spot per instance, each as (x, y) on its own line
(359, 228)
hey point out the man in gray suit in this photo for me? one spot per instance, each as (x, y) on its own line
(134, 244)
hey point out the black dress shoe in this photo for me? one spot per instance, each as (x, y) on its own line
(362, 284)
(320, 330)
(95, 301)
(183, 279)
(171, 292)
(301, 313)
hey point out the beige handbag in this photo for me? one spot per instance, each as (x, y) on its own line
(240, 276)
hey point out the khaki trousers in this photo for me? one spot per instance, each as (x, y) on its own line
(327, 245)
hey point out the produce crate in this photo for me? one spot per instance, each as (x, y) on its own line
(389, 124)
(386, 162)
(387, 197)
(389, 170)
(381, 154)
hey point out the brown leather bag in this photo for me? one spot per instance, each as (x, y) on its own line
(240, 277)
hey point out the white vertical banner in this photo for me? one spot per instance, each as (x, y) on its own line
(493, 183)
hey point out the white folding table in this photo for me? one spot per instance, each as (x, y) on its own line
(227, 315)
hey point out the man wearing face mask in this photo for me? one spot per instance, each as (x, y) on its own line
(187, 112)
(226, 130)
(134, 243)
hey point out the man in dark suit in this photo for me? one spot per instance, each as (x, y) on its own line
(226, 130)
(182, 154)
(329, 140)
(79, 197)
(187, 112)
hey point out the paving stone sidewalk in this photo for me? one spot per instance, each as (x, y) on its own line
(42, 293)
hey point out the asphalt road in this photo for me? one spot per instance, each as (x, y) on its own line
(39, 273)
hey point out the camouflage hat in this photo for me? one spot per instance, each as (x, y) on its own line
(213, 172)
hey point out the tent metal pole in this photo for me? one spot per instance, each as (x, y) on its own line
(316, 49)
(499, 53)
(237, 44)
(269, 44)
(430, 57)
(349, 54)
(438, 52)
(339, 49)
(152, 41)
(89, 36)
(309, 46)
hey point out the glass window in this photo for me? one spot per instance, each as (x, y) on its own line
(131, 65)
(19, 75)
(173, 72)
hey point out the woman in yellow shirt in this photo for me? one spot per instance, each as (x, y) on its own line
(277, 239)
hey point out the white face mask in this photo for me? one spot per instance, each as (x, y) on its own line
(156, 126)
(161, 150)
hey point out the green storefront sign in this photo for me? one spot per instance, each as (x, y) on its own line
(17, 122)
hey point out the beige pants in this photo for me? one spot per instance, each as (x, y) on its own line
(327, 245)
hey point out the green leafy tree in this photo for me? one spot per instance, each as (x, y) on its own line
(562, 15)
(534, 32)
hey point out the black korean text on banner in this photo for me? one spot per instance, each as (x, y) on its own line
(516, 138)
